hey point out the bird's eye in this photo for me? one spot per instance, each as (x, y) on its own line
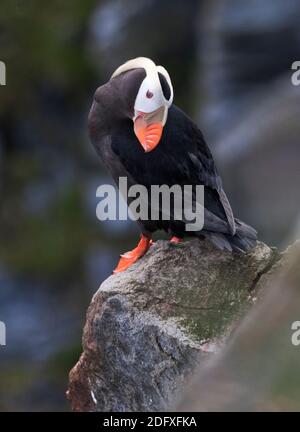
(149, 94)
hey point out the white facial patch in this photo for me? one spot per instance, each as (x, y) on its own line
(150, 96)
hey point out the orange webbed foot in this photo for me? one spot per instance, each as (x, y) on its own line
(129, 258)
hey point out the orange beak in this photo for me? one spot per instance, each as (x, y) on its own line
(148, 133)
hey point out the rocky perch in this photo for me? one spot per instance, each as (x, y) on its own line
(148, 328)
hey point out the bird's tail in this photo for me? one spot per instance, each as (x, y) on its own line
(244, 239)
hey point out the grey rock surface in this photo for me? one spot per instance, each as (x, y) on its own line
(149, 327)
(259, 369)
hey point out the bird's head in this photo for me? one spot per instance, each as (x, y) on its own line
(143, 92)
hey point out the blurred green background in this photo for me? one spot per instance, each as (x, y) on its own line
(230, 63)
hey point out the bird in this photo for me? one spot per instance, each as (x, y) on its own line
(140, 134)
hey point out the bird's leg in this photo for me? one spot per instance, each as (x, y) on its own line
(131, 257)
(175, 240)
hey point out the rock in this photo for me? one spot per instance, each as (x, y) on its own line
(148, 328)
(258, 370)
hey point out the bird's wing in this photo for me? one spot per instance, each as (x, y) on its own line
(228, 210)
(205, 173)
(196, 163)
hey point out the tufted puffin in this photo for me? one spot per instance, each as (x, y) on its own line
(140, 134)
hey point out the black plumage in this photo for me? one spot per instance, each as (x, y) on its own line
(182, 157)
